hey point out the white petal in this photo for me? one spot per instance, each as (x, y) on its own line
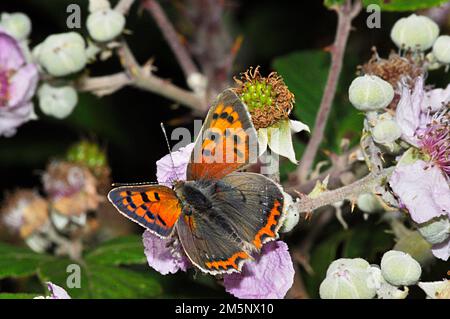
(262, 141)
(280, 140)
(297, 126)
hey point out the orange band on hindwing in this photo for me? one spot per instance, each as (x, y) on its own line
(232, 262)
(269, 229)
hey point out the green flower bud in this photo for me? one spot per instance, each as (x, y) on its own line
(441, 49)
(386, 132)
(87, 153)
(105, 25)
(369, 203)
(370, 93)
(62, 54)
(57, 101)
(291, 214)
(400, 269)
(348, 279)
(415, 32)
(436, 230)
(16, 24)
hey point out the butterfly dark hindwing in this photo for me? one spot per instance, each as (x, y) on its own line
(227, 141)
(155, 207)
(246, 211)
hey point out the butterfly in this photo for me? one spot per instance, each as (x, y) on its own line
(222, 217)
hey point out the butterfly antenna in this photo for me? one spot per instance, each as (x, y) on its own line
(168, 147)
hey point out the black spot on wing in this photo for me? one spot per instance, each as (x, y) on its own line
(156, 196)
(145, 198)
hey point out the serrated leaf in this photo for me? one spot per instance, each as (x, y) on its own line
(18, 261)
(119, 251)
(101, 281)
(405, 5)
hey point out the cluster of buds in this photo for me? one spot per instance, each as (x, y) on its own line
(357, 279)
(407, 126)
(67, 212)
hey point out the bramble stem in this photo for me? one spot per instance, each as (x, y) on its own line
(171, 36)
(346, 13)
(365, 185)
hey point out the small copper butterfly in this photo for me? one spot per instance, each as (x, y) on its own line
(222, 217)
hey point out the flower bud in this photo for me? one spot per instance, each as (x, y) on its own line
(386, 132)
(96, 5)
(16, 24)
(291, 214)
(400, 269)
(62, 54)
(57, 101)
(370, 93)
(369, 203)
(105, 25)
(441, 49)
(436, 230)
(415, 32)
(198, 83)
(348, 279)
(384, 289)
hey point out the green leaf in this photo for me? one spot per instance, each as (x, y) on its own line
(18, 261)
(305, 73)
(393, 5)
(119, 251)
(101, 281)
(405, 5)
(17, 296)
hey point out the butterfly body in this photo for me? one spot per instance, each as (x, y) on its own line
(222, 217)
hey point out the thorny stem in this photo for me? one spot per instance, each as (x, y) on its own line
(346, 13)
(365, 185)
(142, 78)
(171, 36)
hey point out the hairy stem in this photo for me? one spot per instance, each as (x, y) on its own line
(346, 13)
(352, 191)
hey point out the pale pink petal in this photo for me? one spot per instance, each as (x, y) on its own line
(442, 250)
(408, 111)
(163, 255)
(167, 171)
(11, 57)
(436, 99)
(269, 276)
(23, 85)
(422, 189)
(9, 121)
(56, 292)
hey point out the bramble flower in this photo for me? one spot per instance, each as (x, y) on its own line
(423, 190)
(168, 172)
(166, 256)
(18, 80)
(442, 250)
(257, 277)
(270, 102)
(269, 276)
(56, 292)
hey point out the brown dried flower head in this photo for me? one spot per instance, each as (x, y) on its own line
(24, 212)
(395, 68)
(71, 188)
(268, 98)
